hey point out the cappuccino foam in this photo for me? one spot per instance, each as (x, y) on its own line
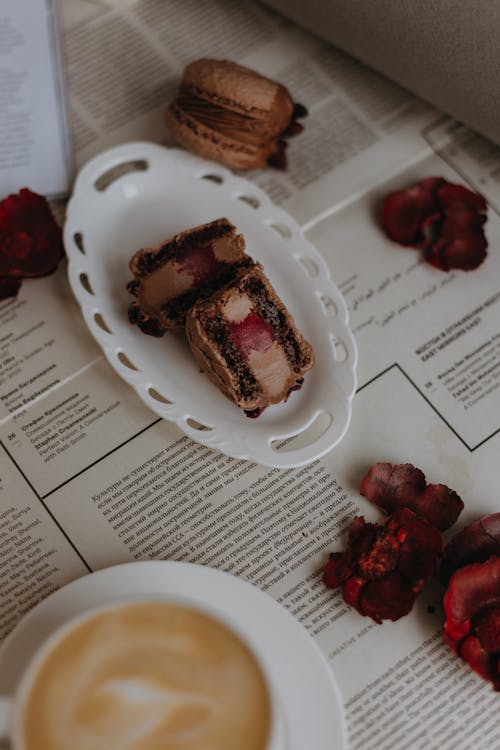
(148, 676)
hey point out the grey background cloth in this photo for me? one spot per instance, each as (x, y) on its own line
(445, 51)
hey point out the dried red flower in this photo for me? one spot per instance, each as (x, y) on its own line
(385, 565)
(403, 211)
(472, 609)
(444, 220)
(30, 238)
(403, 485)
(475, 543)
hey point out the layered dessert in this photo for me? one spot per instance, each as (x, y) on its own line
(246, 341)
(233, 115)
(171, 277)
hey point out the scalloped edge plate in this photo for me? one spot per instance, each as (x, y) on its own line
(138, 194)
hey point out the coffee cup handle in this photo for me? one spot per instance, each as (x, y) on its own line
(5, 711)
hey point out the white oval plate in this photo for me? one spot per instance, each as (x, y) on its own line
(303, 679)
(166, 191)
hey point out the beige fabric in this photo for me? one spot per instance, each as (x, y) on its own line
(445, 51)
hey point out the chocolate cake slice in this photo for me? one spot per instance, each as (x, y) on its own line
(169, 278)
(246, 341)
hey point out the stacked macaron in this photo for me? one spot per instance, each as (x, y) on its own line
(231, 114)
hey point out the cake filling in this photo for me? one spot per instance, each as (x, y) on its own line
(173, 287)
(284, 333)
(271, 368)
(255, 339)
(252, 334)
(199, 264)
(152, 291)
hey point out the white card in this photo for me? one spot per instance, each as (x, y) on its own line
(34, 135)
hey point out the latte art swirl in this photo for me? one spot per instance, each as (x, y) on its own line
(148, 676)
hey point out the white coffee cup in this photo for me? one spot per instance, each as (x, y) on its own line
(145, 668)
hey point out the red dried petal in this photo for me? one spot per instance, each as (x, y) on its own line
(391, 487)
(404, 210)
(382, 558)
(467, 253)
(16, 246)
(403, 485)
(421, 545)
(401, 218)
(443, 219)
(352, 591)
(337, 570)
(474, 654)
(451, 195)
(340, 565)
(435, 256)
(15, 209)
(30, 238)
(278, 159)
(463, 249)
(386, 564)
(387, 598)
(361, 534)
(9, 287)
(294, 128)
(430, 231)
(454, 238)
(472, 625)
(440, 505)
(464, 219)
(451, 642)
(475, 543)
(470, 589)
(486, 625)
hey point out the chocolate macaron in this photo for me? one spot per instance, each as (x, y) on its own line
(233, 115)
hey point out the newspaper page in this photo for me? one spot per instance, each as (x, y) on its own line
(91, 478)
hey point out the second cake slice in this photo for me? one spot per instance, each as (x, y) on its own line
(246, 341)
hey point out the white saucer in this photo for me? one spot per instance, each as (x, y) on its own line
(304, 682)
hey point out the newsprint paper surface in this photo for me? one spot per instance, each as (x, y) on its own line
(90, 477)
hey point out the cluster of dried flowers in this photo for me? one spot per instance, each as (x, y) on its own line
(387, 564)
(30, 240)
(445, 221)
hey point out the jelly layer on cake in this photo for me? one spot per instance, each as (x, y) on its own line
(246, 341)
(169, 278)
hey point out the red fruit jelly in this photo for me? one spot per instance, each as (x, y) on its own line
(199, 263)
(253, 333)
